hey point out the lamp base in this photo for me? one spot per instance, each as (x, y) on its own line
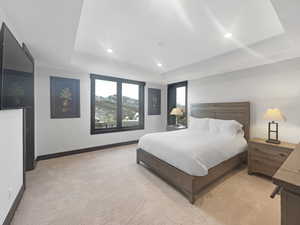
(272, 141)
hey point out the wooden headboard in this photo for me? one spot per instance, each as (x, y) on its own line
(239, 111)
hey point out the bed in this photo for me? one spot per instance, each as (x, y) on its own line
(191, 174)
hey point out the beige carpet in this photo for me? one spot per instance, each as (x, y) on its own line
(109, 188)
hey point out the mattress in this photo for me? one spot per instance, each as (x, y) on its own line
(193, 151)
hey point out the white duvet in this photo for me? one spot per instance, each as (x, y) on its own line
(193, 151)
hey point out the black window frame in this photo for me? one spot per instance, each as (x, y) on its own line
(119, 82)
(171, 101)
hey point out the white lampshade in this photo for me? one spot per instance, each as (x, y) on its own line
(274, 115)
(176, 112)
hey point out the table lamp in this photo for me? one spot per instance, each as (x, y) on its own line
(273, 115)
(176, 112)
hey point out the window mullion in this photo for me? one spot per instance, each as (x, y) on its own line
(93, 105)
(141, 105)
(119, 104)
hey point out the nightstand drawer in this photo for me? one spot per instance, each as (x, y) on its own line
(264, 167)
(265, 158)
(266, 153)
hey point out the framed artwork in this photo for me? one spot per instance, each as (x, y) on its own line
(65, 97)
(154, 101)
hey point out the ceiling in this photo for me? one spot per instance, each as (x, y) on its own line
(142, 33)
(175, 33)
(48, 27)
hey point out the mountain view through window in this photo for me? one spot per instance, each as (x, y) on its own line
(105, 104)
(130, 105)
(117, 104)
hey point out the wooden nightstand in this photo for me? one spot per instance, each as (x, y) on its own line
(174, 127)
(266, 158)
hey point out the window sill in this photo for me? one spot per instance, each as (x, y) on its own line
(103, 131)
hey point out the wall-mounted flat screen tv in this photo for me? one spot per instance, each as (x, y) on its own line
(16, 72)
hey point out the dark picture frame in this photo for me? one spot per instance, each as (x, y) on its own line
(154, 101)
(64, 97)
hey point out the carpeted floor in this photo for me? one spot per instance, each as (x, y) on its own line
(109, 188)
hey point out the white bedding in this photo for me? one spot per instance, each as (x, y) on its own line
(193, 151)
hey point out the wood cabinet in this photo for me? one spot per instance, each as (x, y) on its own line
(266, 158)
(174, 127)
(290, 208)
(287, 179)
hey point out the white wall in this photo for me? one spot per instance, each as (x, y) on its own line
(59, 135)
(11, 158)
(274, 85)
(9, 23)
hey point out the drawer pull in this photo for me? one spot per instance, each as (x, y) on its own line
(282, 155)
(276, 191)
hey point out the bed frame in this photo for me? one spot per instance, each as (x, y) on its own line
(190, 185)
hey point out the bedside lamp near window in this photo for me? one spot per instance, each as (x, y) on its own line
(273, 115)
(176, 112)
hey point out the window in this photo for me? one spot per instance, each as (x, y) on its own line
(105, 104)
(130, 105)
(177, 98)
(116, 104)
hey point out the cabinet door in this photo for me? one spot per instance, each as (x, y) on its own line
(290, 208)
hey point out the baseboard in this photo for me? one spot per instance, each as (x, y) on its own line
(84, 150)
(14, 207)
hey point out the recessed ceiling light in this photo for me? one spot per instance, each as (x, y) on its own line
(228, 35)
(109, 50)
(159, 64)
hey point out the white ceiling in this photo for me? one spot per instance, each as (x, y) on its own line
(281, 47)
(174, 32)
(48, 27)
(179, 34)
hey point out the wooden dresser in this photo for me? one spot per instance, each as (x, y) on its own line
(174, 127)
(265, 158)
(288, 180)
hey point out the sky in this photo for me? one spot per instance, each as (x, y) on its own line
(106, 88)
(180, 95)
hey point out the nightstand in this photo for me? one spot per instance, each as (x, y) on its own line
(266, 158)
(174, 127)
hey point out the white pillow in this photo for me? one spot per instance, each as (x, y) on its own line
(215, 125)
(228, 127)
(199, 124)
